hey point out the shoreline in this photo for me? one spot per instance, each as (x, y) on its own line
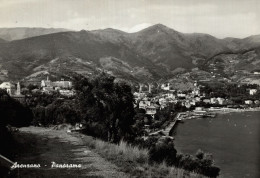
(230, 110)
(215, 112)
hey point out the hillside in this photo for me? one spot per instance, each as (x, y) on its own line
(157, 52)
(10, 34)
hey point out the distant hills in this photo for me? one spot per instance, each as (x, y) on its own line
(155, 53)
(10, 34)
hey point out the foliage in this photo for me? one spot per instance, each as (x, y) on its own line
(108, 103)
(51, 109)
(135, 160)
(13, 112)
(163, 150)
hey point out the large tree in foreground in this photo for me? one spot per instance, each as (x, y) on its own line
(106, 102)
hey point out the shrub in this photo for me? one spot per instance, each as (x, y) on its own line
(163, 151)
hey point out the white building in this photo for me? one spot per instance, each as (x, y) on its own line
(151, 110)
(213, 100)
(162, 101)
(248, 102)
(170, 95)
(8, 87)
(166, 86)
(221, 101)
(252, 91)
(67, 92)
(143, 104)
(181, 95)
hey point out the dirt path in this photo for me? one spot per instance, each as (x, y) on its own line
(44, 146)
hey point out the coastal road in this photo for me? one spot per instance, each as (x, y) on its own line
(45, 145)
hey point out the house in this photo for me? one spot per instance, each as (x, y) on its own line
(196, 91)
(8, 87)
(143, 104)
(199, 110)
(162, 101)
(46, 83)
(170, 95)
(162, 106)
(62, 84)
(151, 110)
(221, 101)
(68, 93)
(193, 102)
(165, 86)
(181, 95)
(187, 104)
(197, 99)
(248, 102)
(207, 101)
(252, 91)
(48, 89)
(213, 100)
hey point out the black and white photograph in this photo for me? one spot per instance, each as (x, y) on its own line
(129, 89)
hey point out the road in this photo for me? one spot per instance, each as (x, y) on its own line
(44, 146)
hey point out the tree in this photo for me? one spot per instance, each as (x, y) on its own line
(108, 103)
(13, 112)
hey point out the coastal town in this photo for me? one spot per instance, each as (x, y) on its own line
(193, 103)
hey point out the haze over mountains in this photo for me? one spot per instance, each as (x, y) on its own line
(150, 54)
(10, 34)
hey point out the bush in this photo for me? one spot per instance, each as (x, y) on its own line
(163, 151)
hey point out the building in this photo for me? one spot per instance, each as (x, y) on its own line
(166, 86)
(162, 101)
(213, 100)
(8, 87)
(221, 101)
(170, 95)
(18, 96)
(181, 95)
(199, 110)
(207, 101)
(68, 93)
(143, 104)
(248, 102)
(151, 110)
(46, 83)
(62, 84)
(252, 91)
(59, 84)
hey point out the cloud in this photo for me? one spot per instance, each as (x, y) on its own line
(139, 27)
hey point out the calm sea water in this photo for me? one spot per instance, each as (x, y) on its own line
(233, 139)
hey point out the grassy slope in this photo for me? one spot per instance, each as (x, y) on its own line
(100, 158)
(134, 161)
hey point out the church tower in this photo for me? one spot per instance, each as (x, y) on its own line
(18, 91)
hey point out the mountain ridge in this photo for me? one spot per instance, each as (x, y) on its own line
(151, 54)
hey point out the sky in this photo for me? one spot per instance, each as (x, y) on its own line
(220, 18)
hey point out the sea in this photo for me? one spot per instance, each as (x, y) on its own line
(232, 138)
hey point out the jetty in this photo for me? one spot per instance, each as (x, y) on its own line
(168, 129)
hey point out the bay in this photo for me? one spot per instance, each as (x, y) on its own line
(232, 138)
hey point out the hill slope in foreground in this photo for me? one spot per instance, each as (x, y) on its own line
(151, 54)
(97, 158)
